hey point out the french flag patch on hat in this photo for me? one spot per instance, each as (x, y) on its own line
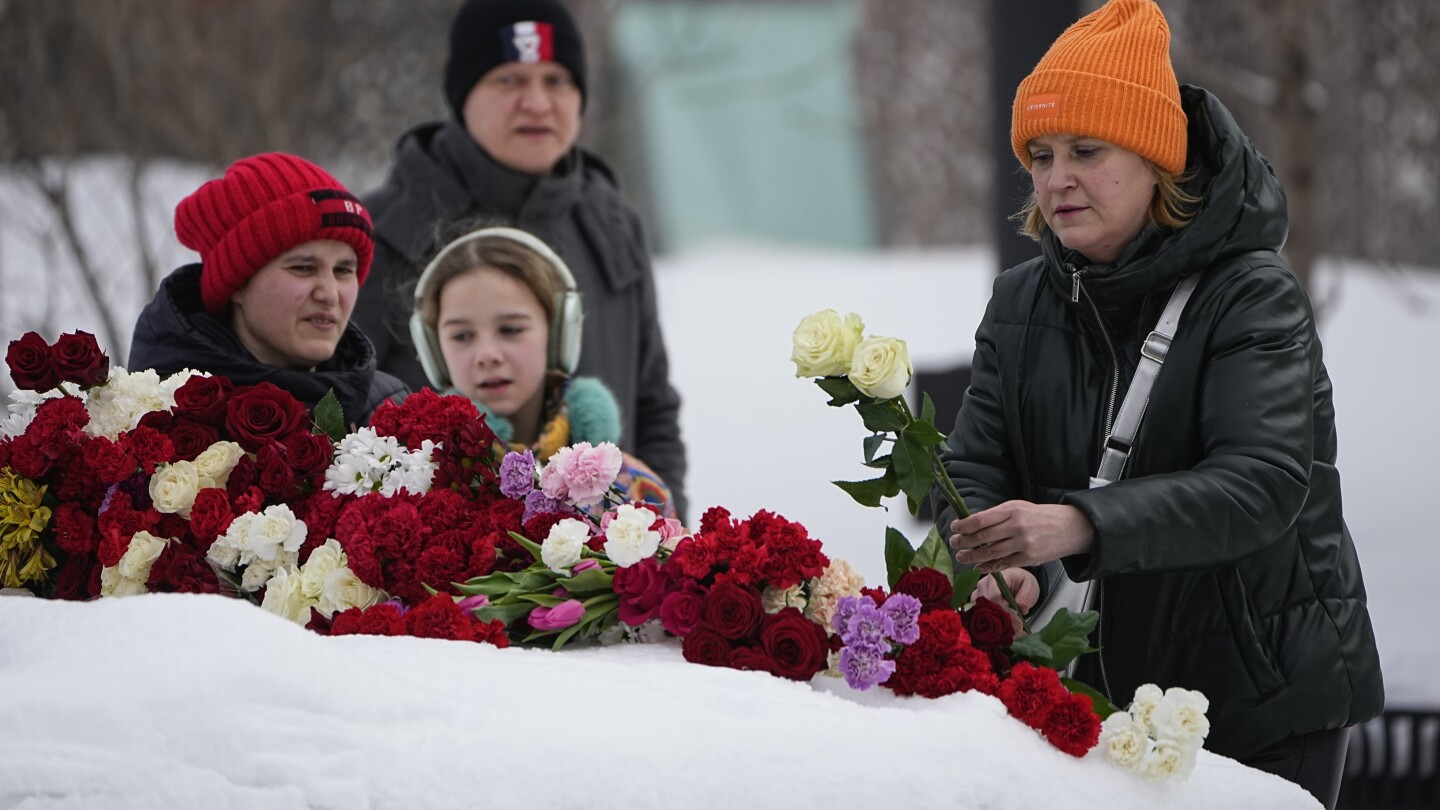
(528, 42)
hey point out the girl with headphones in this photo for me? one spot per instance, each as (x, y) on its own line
(498, 319)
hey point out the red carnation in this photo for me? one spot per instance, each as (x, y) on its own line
(931, 587)
(263, 413)
(734, 612)
(78, 359)
(210, 516)
(795, 645)
(79, 579)
(182, 569)
(31, 362)
(705, 646)
(1072, 725)
(990, 625)
(942, 661)
(1030, 692)
(384, 619)
(75, 530)
(148, 447)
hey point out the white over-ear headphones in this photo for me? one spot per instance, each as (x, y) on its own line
(565, 328)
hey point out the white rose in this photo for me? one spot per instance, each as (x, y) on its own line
(285, 596)
(322, 561)
(1180, 716)
(629, 538)
(343, 590)
(1142, 706)
(562, 547)
(110, 579)
(1124, 741)
(824, 343)
(275, 531)
(137, 560)
(775, 600)
(881, 367)
(173, 488)
(216, 462)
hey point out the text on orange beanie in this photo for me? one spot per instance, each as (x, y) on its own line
(1108, 77)
(263, 206)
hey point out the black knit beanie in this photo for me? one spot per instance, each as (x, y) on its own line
(489, 33)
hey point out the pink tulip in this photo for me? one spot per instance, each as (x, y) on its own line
(559, 617)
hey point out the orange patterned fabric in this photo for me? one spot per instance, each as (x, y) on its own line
(1108, 77)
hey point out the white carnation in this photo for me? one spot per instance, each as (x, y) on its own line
(113, 584)
(1168, 760)
(629, 538)
(1180, 716)
(1143, 705)
(775, 600)
(1124, 741)
(562, 547)
(273, 532)
(256, 575)
(117, 406)
(322, 561)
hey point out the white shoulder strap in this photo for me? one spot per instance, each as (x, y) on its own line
(1152, 357)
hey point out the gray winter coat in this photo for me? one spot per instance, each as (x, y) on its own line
(440, 175)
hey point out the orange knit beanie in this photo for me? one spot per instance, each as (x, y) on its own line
(1108, 77)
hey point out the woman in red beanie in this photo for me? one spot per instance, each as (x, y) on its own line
(1212, 534)
(283, 251)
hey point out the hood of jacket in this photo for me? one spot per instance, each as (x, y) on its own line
(1242, 209)
(174, 332)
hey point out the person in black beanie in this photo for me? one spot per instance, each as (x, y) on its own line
(515, 83)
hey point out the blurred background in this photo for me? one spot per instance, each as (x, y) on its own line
(787, 155)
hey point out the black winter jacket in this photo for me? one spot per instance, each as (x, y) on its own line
(1224, 561)
(175, 332)
(440, 175)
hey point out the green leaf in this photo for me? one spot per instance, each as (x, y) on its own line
(898, 555)
(1102, 705)
(587, 581)
(965, 582)
(505, 613)
(490, 585)
(913, 471)
(873, 445)
(530, 545)
(922, 435)
(927, 409)
(882, 463)
(1032, 648)
(935, 553)
(870, 493)
(532, 581)
(542, 599)
(881, 416)
(1064, 639)
(840, 389)
(330, 417)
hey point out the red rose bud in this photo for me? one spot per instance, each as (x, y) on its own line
(203, 398)
(32, 364)
(734, 612)
(261, 414)
(990, 625)
(78, 359)
(705, 646)
(795, 645)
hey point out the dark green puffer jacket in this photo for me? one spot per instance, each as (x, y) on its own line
(1223, 556)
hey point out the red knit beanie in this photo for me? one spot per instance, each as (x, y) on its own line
(263, 206)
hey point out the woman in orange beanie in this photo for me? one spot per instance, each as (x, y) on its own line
(283, 251)
(1205, 517)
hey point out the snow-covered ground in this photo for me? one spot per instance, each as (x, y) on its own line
(184, 701)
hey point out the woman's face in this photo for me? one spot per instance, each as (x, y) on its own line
(1093, 194)
(494, 335)
(293, 311)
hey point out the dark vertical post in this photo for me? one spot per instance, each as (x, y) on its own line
(1020, 33)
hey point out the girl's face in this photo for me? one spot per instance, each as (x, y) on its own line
(494, 335)
(293, 311)
(1093, 194)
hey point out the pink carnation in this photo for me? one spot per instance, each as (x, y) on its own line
(581, 474)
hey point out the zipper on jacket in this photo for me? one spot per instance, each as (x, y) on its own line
(1109, 425)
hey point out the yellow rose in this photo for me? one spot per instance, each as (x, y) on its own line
(881, 367)
(824, 342)
(173, 488)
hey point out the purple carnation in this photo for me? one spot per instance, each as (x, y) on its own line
(846, 608)
(904, 612)
(517, 474)
(538, 503)
(865, 666)
(868, 627)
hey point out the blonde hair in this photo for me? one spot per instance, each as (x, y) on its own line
(1171, 207)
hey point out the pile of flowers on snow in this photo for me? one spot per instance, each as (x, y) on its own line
(115, 483)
